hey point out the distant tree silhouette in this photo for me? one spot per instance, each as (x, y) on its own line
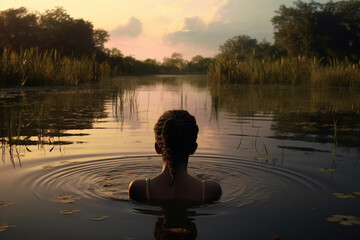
(18, 28)
(323, 30)
(54, 29)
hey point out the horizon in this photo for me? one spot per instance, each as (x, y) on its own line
(186, 27)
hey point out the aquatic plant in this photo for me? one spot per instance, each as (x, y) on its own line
(344, 220)
(285, 71)
(65, 199)
(350, 195)
(5, 226)
(34, 67)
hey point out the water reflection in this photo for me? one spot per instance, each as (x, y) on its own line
(297, 114)
(43, 118)
(174, 221)
(48, 119)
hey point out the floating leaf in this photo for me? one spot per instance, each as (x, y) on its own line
(4, 226)
(344, 220)
(356, 221)
(326, 170)
(356, 194)
(99, 218)
(65, 199)
(6, 204)
(343, 195)
(68, 212)
(346, 223)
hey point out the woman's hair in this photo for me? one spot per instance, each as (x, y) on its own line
(176, 133)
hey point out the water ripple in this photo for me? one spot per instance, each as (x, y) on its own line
(244, 182)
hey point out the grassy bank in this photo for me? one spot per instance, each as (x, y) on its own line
(32, 67)
(285, 71)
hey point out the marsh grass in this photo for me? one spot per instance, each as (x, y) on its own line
(285, 71)
(34, 67)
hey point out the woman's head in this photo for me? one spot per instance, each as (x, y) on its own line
(175, 134)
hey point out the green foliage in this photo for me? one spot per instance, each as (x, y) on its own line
(244, 47)
(199, 64)
(33, 67)
(285, 71)
(321, 30)
(18, 28)
(240, 47)
(54, 29)
(175, 63)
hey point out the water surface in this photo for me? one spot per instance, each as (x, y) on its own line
(279, 153)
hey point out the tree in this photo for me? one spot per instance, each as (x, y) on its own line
(176, 63)
(199, 64)
(322, 30)
(18, 28)
(267, 50)
(100, 37)
(54, 29)
(68, 35)
(240, 47)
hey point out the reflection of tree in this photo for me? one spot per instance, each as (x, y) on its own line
(45, 117)
(306, 113)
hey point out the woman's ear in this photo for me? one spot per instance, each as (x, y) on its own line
(194, 149)
(157, 149)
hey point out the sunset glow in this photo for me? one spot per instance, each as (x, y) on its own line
(156, 29)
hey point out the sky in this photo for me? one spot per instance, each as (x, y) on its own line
(157, 28)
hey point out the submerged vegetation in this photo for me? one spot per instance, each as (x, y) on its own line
(286, 71)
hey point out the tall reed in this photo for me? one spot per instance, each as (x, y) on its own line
(34, 67)
(285, 71)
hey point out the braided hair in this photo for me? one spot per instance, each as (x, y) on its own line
(175, 133)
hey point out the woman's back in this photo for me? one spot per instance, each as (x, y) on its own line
(186, 188)
(175, 139)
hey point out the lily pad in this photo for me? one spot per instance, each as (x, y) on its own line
(326, 170)
(99, 218)
(4, 226)
(350, 195)
(68, 212)
(65, 199)
(356, 194)
(6, 204)
(344, 220)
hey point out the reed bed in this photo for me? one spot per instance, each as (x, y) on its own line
(34, 67)
(286, 71)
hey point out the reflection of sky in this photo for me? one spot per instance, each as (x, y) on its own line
(130, 131)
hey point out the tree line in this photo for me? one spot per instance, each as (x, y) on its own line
(329, 30)
(56, 30)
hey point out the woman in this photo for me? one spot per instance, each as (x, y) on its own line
(175, 133)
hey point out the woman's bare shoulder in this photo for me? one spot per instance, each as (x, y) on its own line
(213, 190)
(137, 189)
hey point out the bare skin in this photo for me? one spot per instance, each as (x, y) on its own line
(185, 186)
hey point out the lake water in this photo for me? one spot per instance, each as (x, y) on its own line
(280, 154)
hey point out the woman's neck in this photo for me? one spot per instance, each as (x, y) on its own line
(180, 168)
